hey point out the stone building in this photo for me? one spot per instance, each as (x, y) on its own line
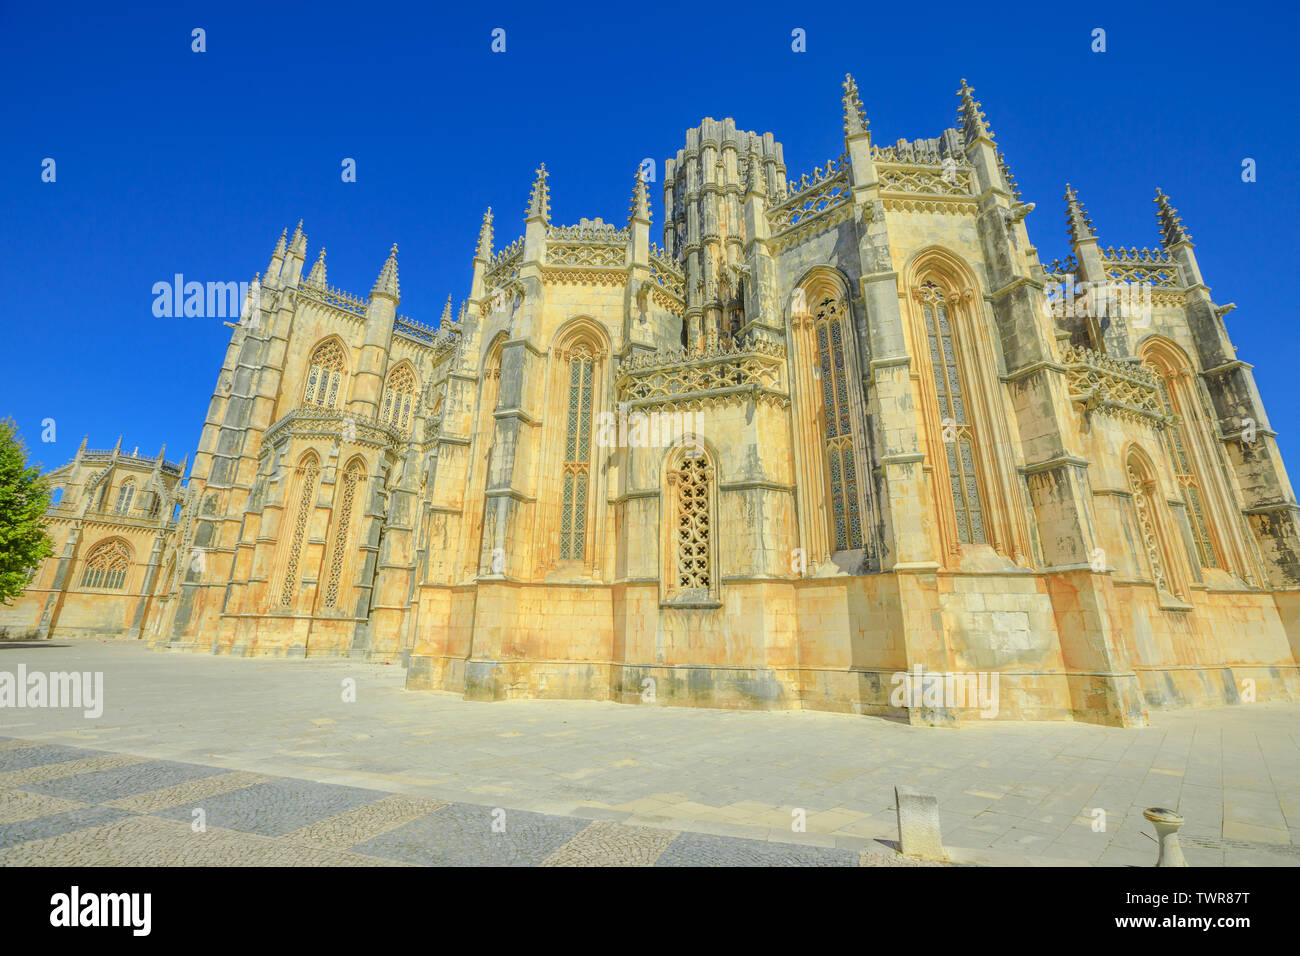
(112, 523)
(837, 429)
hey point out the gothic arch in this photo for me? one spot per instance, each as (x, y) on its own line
(300, 505)
(964, 417)
(689, 538)
(831, 455)
(401, 397)
(1154, 524)
(326, 380)
(1195, 455)
(579, 387)
(346, 517)
(107, 565)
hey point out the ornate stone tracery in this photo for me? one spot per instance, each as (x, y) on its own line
(309, 471)
(325, 375)
(106, 566)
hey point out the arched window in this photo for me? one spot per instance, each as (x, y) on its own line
(353, 476)
(325, 376)
(308, 472)
(957, 433)
(106, 566)
(689, 520)
(1179, 445)
(124, 496)
(155, 504)
(399, 398)
(577, 454)
(832, 334)
(1142, 483)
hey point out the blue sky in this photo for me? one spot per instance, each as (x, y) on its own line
(172, 161)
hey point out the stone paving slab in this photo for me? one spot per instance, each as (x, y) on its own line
(1005, 790)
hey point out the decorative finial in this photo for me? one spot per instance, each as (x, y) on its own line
(386, 284)
(316, 278)
(279, 246)
(755, 180)
(298, 243)
(971, 117)
(446, 313)
(539, 202)
(855, 117)
(1077, 223)
(639, 211)
(1172, 231)
(484, 249)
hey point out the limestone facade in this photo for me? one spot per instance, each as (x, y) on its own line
(835, 429)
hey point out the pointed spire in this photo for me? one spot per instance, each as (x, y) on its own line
(539, 202)
(386, 284)
(118, 447)
(1077, 223)
(299, 241)
(464, 307)
(971, 117)
(1172, 231)
(755, 181)
(446, 313)
(855, 117)
(316, 278)
(640, 208)
(279, 246)
(484, 250)
(162, 451)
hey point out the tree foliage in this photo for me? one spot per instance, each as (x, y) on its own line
(24, 497)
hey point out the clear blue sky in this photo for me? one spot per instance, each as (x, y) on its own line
(171, 161)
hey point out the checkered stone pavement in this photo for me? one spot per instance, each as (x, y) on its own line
(69, 806)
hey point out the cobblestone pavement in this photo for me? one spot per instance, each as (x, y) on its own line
(69, 806)
(590, 781)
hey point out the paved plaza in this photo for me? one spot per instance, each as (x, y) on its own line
(332, 762)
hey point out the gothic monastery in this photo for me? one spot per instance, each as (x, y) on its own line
(836, 428)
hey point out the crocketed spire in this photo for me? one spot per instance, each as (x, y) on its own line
(484, 250)
(970, 117)
(640, 208)
(1077, 223)
(539, 202)
(298, 243)
(1172, 231)
(386, 284)
(446, 313)
(279, 246)
(855, 117)
(316, 278)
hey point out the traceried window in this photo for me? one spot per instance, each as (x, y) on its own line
(399, 399)
(124, 496)
(832, 371)
(309, 470)
(106, 566)
(577, 455)
(352, 479)
(1142, 485)
(689, 486)
(325, 376)
(956, 431)
(1176, 444)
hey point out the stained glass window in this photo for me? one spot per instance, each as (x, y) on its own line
(399, 399)
(124, 496)
(325, 376)
(956, 431)
(831, 331)
(106, 566)
(577, 456)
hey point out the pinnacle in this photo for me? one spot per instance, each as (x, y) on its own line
(386, 284)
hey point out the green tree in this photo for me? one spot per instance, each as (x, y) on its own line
(24, 496)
